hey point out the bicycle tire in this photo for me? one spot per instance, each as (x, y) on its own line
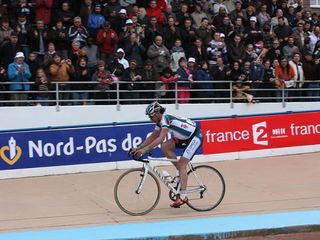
(215, 188)
(131, 202)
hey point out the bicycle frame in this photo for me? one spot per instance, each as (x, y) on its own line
(147, 166)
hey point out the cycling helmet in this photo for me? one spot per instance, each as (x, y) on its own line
(154, 108)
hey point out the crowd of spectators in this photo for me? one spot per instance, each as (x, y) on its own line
(259, 47)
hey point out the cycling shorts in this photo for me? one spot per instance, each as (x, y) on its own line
(190, 145)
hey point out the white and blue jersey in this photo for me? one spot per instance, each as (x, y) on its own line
(181, 128)
(184, 132)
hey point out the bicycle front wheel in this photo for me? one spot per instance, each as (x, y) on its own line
(206, 188)
(135, 196)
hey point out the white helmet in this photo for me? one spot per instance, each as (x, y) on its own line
(154, 108)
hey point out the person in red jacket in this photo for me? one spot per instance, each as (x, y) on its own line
(154, 11)
(107, 40)
(44, 10)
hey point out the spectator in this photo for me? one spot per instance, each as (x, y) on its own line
(263, 16)
(142, 16)
(95, 20)
(282, 31)
(65, 13)
(219, 73)
(168, 78)
(48, 56)
(92, 54)
(131, 75)
(183, 14)
(198, 15)
(171, 32)
(38, 38)
(104, 79)
(241, 87)
(5, 32)
(153, 29)
(219, 4)
(23, 27)
(119, 21)
(311, 69)
(3, 87)
(177, 52)
(290, 49)
(238, 12)
(218, 18)
(135, 50)
(81, 74)
(253, 33)
(268, 83)
(274, 52)
(275, 19)
(314, 38)
(198, 51)
(188, 34)
(226, 27)
(215, 49)
(204, 83)
(78, 32)
(23, 7)
(238, 28)
(159, 54)
(44, 10)
(33, 66)
(42, 85)
(120, 56)
(76, 53)
(60, 71)
(184, 78)
(284, 74)
(18, 71)
(300, 36)
(86, 10)
(149, 74)
(59, 37)
(204, 32)
(126, 33)
(107, 40)
(296, 64)
(9, 50)
(154, 11)
(236, 50)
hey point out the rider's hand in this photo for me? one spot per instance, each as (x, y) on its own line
(132, 151)
(140, 152)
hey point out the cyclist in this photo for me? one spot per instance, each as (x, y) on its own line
(185, 134)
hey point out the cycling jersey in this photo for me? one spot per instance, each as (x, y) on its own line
(181, 128)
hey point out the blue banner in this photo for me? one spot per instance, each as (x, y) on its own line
(71, 146)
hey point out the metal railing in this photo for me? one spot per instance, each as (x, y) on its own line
(119, 93)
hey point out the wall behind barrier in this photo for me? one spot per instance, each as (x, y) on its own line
(96, 145)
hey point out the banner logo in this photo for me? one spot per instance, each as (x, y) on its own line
(260, 135)
(13, 150)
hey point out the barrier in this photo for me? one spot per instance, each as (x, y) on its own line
(80, 147)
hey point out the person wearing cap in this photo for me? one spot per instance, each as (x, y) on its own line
(154, 11)
(95, 20)
(18, 71)
(253, 32)
(107, 40)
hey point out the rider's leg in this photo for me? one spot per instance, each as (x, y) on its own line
(182, 167)
(168, 149)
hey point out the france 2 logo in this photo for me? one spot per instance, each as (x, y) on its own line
(260, 136)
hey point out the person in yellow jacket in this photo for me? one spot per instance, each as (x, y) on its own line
(60, 71)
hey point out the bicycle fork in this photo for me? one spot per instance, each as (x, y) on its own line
(143, 175)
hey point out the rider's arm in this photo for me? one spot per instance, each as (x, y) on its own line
(149, 139)
(156, 141)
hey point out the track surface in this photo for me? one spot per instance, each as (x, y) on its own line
(261, 185)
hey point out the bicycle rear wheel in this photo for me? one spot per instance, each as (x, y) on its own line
(129, 199)
(212, 186)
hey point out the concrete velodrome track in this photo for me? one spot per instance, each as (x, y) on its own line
(254, 186)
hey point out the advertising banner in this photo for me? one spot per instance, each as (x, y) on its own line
(70, 146)
(262, 132)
